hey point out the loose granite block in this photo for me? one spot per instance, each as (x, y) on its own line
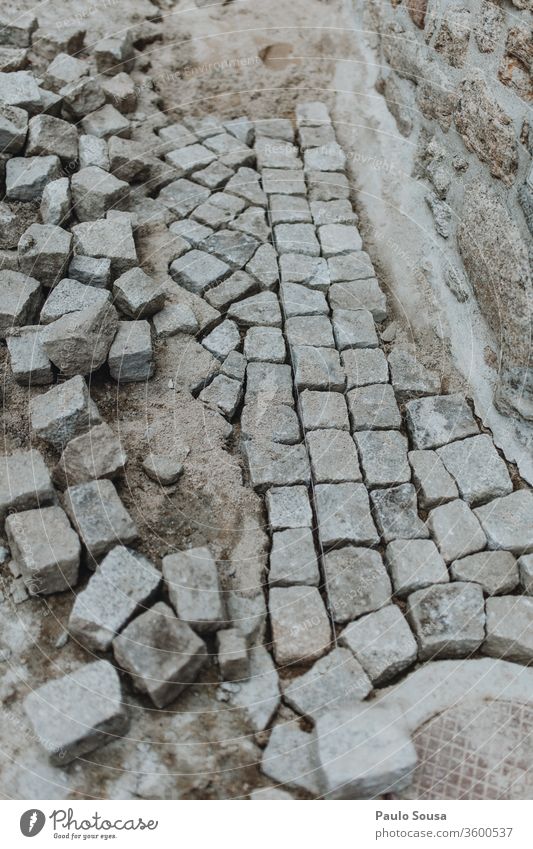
(356, 581)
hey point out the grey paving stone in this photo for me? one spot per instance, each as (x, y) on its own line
(434, 484)
(218, 211)
(263, 266)
(509, 629)
(224, 144)
(18, 32)
(344, 516)
(317, 368)
(24, 482)
(71, 296)
(508, 522)
(290, 759)
(29, 363)
(95, 454)
(365, 366)
(99, 516)
(306, 270)
(274, 128)
(95, 191)
(223, 394)
(44, 252)
(245, 184)
(26, 177)
(330, 681)
(203, 127)
(79, 712)
(276, 465)
(106, 122)
(327, 157)
(63, 412)
(194, 589)
(495, 571)
(49, 136)
(56, 202)
(302, 329)
(287, 209)
(270, 423)
(448, 620)
(262, 309)
(395, 510)
(525, 565)
(215, 176)
(235, 249)
(439, 419)
(364, 751)
(333, 212)
(223, 339)
(320, 410)
(161, 653)
(264, 344)
(456, 530)
(346, 268)
(188, 159)
(130, 355)
(293, 559)
(114, 54)
(356, 582)
(190, 230)
(45, 548)
(301, 630)
(121, 91)
(296, 239)
(276, 154)
(288, 507)
(20, 297)
(91, 271)
(354, 329)
(162, 468)
(197, 270)
(339, 239)
(278, 181)
(409, 377)
(357, 295)
(20, 89)
(238, 286)
(175, 136)
(301, 300)
(242, 128)
(232, 654)
(13, 128)
(81, 98)
(111, 240)
(175, 318)
(414, 564)
(93, 151)
(382, 642)
(252, 222)
(333, 457)
(269, 383)
(123, 584)
(182, 196)
(234, 366)
(373, 407)
(383, 456)
(478, 469)
(257, 699)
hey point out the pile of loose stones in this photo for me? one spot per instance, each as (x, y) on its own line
(397, 534)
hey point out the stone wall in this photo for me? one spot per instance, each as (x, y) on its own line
(458, 79)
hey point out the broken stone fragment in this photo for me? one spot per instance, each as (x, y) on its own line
(44, 252)
(161, 653)
(364, 751)
(163, 469)
(95, 191)
(122, 585)
(24, 482)
(46, 549)
(95, 454)
(19, 298)
(194, 590)
(99, 516)
(137, 295)
(79, 712)
(232, 654)
(131, 355)
(79, 342)
(63, 412)
(26, 177)
(29, 363)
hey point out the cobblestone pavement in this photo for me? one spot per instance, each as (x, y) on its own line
(398, 538)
